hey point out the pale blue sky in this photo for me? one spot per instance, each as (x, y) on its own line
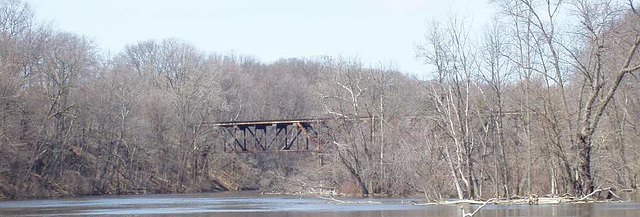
(376, 31)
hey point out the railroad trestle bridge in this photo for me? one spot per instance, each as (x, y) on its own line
(271, 135)
(274, 135)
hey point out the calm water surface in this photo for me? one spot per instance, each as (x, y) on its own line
(247, 204)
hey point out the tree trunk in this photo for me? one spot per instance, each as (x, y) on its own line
(584, 168)
(363, 187)
(453, 173)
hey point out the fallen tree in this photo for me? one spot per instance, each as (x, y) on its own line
(593, 197)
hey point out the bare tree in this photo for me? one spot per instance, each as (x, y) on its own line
(448, 49)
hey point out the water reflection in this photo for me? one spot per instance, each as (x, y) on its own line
(252, 204)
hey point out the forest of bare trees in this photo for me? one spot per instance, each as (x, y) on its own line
(545, 100)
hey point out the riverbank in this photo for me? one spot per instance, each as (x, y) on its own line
(245, 203)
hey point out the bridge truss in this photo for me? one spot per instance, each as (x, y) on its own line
(271, 135)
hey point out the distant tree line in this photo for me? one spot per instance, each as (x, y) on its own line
(545, 101)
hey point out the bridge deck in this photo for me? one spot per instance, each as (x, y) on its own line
(281, 121)
(266, 122)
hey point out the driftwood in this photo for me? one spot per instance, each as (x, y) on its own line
(535, 200)
(453, 202)
(471, 214)
(334, 200)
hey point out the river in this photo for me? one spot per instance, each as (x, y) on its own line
(247, 204)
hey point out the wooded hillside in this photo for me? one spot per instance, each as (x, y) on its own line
(545, 101)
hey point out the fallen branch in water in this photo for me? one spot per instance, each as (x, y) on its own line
(475, 211)
(535, 200)
(334, 200)
(453, 202)
(609, 190)
(475, 202)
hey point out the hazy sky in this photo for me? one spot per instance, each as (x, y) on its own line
(376, 31)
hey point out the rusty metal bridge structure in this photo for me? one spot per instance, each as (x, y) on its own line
(271, 135)
(274, 135)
